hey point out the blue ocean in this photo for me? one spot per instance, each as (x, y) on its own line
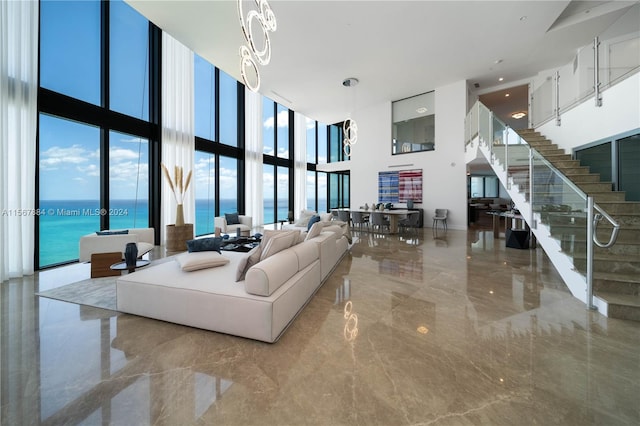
(63, 222)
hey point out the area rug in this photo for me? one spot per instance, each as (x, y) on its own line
(96, 292)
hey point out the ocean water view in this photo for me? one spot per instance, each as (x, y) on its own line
(63, 222)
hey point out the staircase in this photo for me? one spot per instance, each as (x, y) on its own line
(616, 270)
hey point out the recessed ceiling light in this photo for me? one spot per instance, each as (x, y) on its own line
(518, 115)
(523, 18)
(421, 110)
(498, 61)
(501, 78)
(506, 95)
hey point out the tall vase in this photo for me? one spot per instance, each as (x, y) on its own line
(131, 255)
(179, 215)
(409, 204)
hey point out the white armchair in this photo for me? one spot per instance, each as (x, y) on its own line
(245, 225)
(94, 243)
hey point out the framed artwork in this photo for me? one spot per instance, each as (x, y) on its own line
(400, 186)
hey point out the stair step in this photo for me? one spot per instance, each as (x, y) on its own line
(622, 306)
(616, 283)
(620, 207)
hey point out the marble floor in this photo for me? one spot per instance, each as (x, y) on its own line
(447, 329)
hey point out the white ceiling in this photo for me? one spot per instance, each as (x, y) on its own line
(396, 49)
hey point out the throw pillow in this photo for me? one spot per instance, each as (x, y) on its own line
(123, 232)
(204, 244)
(305, 215)
(200, 260)
(326, 217)
(314, 219)
(247, 262)
(232, 218)
(315, 230)
(279, 242)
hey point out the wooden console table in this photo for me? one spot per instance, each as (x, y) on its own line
(177, 236)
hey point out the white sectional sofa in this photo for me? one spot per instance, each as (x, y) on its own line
(259, 307)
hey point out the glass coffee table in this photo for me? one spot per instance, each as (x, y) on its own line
(122, 266)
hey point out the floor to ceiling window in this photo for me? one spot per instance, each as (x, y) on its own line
(218, 178)
(95, 138)
(277, 166)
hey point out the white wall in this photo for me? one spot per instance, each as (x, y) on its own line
(443, 170)
(586, 123)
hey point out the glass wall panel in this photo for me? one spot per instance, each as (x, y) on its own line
(477, 186)
(268, 189)
(128, 181)
(598, 159)
(204, 180)
(335, 144)
(283, 193)
(228, 110)
(322, 143)
(346, 199)
(311, 140)
(228, 185)
(70, 48)
(69, 163)
(311, 191)
(204, 96)
(629, 173)
(268, 127)
(322, 192)
(128, 61)
(283, 131)
(491, 186)
(334, 191)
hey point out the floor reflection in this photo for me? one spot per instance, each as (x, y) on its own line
(452, 328)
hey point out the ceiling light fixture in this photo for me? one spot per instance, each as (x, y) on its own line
(518, 115)
(349, 127)
(501, 79)
(267, 22)
(421, 110)
(506, 95)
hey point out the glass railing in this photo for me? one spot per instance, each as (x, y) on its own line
(552, 198)
(616, 59)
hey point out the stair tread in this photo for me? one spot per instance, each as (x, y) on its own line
(612, 276)
(620, 299)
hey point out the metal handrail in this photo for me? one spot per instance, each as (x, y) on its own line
(614, 233)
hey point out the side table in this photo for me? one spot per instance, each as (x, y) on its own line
(177, 236)
(122, 266)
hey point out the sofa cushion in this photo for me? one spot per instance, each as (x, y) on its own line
(278, 242)
(204, 244)
(232, 218)
(200, 260)
(315, 230)
(252, 258)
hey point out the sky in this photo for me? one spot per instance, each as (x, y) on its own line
(70, 152)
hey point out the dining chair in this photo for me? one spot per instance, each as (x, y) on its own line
(440, 216)
(345, 216)
(359, 219)
(410, 222)
(379, 222)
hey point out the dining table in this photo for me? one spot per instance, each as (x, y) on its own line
(394, 215)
